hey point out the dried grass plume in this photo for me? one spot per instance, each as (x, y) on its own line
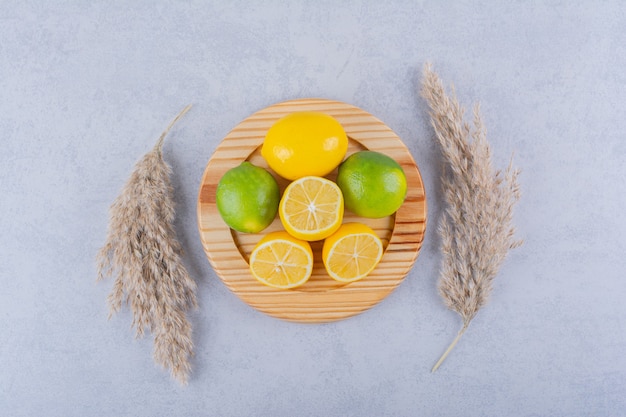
(476, 229)
(142, 252)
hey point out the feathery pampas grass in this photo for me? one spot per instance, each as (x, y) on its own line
(142, 252)
(476, 229)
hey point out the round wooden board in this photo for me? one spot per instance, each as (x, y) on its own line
(321, 299)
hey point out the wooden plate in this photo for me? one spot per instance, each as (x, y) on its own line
(321, 299)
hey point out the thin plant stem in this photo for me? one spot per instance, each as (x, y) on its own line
(452, 345)
(167, 129)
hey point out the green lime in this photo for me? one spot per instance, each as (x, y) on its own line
(373, 184)
(247, 198)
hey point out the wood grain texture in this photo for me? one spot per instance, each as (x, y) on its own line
(321, 299)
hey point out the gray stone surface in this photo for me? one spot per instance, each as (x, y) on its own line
(87, 87)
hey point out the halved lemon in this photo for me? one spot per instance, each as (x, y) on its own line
(352, 252)
(311, 208)
(281, 261)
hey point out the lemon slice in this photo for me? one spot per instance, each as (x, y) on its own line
(311, 208)
(281, 261)
(352, 252)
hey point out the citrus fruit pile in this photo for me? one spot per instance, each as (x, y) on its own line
(303, 148)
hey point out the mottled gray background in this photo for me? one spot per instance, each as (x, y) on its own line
(87, 87)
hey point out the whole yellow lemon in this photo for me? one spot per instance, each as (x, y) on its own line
(304, 144)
